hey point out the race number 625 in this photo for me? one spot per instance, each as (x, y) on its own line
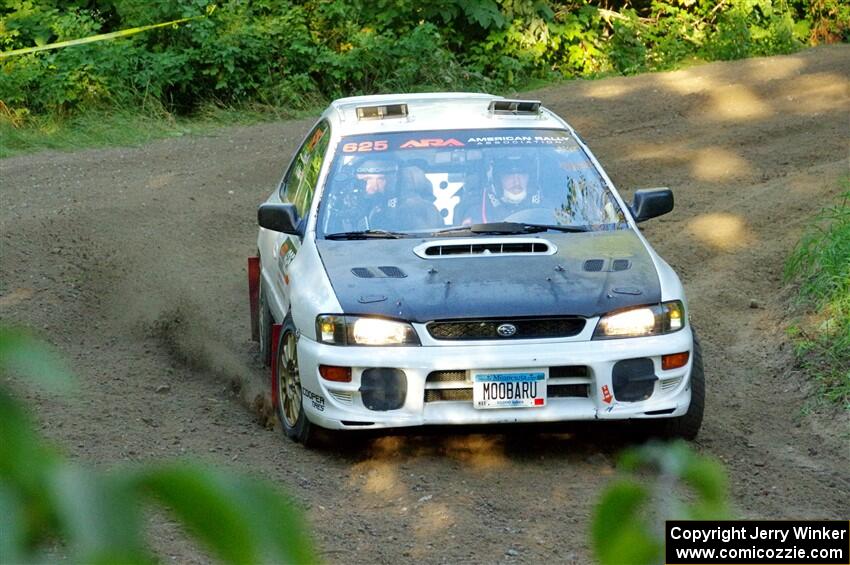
(364, 146)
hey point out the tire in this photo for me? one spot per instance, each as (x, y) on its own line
(687, 426)
(289, 405)
(265, 321)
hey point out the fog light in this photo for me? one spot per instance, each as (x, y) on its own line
(675, 360)
(336, 374)
(383, 389)
(633, 379)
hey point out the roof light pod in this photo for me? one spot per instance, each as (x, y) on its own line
(381, 112)
(514, 107)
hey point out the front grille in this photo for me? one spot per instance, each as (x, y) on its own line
(567, 391)
(454, 394)
(446, 376)
(564, 371)
(526, 328)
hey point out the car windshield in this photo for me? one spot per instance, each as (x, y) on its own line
(417, 183)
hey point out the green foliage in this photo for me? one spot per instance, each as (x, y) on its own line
(96, 515)
(628, 525)
(752, 27)
(826, 20)
(821, 264)
(288, 56)
(628, 52)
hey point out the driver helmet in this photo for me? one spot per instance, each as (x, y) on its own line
(376, 176)
(515, 189)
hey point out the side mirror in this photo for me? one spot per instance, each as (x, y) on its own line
(278, 217)
(651, 202)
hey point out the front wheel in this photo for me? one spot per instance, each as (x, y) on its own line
(289, 406)
(687, 426)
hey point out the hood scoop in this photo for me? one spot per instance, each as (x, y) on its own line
(485, 247)
(385, 272)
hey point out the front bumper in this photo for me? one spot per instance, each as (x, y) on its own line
(337, 405)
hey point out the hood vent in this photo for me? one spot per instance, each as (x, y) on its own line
(594, 265)
(485, 247)
(599, 265)
(385, 272)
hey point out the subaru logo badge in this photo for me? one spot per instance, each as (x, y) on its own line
(506, 330)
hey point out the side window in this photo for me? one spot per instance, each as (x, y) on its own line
(299, 184)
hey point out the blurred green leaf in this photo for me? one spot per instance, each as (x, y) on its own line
(96, 515)
(23, 456)
(708, 479)
(238, 519)
(628, 523)
(99, 514)
(11, 521)
(21, 352)
(618, 531)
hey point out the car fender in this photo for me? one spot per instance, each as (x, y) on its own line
(311, 292)
(671, 285)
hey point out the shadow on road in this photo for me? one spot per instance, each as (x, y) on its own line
(488, 445)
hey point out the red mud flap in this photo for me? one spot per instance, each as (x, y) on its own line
(254, 295)
(275, 339)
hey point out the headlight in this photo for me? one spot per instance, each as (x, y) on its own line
(647, 320)
(358, 330)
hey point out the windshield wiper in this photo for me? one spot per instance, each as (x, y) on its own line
(569, 229)
(490, 228)
(508, 228)
(366, 234)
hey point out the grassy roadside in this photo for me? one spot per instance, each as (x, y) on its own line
(101, 128)
(821, 333)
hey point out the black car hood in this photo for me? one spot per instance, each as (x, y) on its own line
(590, 274)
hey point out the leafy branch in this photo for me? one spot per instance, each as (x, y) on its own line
(96, 515)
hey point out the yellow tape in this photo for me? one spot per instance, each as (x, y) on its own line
(94, 38)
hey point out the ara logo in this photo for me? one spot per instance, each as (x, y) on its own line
(285, 257)
(419, 143)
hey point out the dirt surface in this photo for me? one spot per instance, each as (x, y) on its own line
(132, 261)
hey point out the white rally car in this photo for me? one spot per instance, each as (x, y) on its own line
(464, 259)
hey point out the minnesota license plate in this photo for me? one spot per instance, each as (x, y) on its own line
(515, 388)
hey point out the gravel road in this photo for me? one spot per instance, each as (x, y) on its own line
(132, 262)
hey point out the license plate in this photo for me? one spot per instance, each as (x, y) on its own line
(515, 388)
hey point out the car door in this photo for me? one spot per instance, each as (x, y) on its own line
(298, 187)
